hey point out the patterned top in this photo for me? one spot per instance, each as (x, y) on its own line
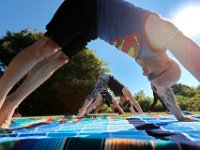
(100, 86)
(104, 82)
(121, 23)
(2, 68)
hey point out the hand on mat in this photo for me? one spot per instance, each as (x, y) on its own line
(189, 119)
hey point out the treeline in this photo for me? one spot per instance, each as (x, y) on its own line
(188, 98)
(66, 90)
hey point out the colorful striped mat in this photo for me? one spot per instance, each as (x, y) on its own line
(101, 133)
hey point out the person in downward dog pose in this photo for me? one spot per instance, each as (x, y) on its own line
(142, 34)
(104, 98)
(106, 81)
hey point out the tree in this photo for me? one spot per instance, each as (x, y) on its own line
(184, 90)
(13, 42)
(66, 89)
(188, 98)
(143, 100)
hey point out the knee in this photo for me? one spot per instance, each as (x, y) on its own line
(61, 58)
(46, 47)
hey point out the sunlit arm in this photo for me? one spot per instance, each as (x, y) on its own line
(132, 110)
(117, 106)
(167, 96)
(169, 99)
(129, 96)
(187, 53)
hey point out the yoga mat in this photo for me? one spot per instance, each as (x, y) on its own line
(105, 132)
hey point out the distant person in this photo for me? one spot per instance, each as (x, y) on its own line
(156, 98)
(141, 34)
(105, 98)
(107, 81)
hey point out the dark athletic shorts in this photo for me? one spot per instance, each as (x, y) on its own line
(115, 86)
(107, 97)
(73, 25)
(127, 105)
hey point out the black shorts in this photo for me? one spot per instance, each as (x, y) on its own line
(115, 86)
(127, 105)
(107, 97)
(73, 25)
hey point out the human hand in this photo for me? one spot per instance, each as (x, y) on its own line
(189, 119)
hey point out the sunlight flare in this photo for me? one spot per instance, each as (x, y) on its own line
(187, 20)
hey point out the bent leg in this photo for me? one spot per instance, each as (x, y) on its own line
(39, 74)
(24, 62)
(98, 108)
(95, 103)
(82, 110)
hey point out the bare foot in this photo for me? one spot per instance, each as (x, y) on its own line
(7, 123)
(6, 113)
(189, 119)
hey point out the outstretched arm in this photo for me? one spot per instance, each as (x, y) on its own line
(132, 110)
(169, 99)
(129, 96)
(116, 105)
(165, 35)
(187, 52)
(36, 76)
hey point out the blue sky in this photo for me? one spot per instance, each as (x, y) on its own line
(35, 14)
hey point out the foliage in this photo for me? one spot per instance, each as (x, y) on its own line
(65, 91)
(188, 98)
(13, 42)
(183, 90)
(143, 100)
(80, 76)
(105, 109)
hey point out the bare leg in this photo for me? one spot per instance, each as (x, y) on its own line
(95, 103)
(116, 105)
(132, 110)
(98, 108)
(40, 73)
(24, 62)
(82, 110)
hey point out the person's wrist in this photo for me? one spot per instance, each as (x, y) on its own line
(181, 118)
